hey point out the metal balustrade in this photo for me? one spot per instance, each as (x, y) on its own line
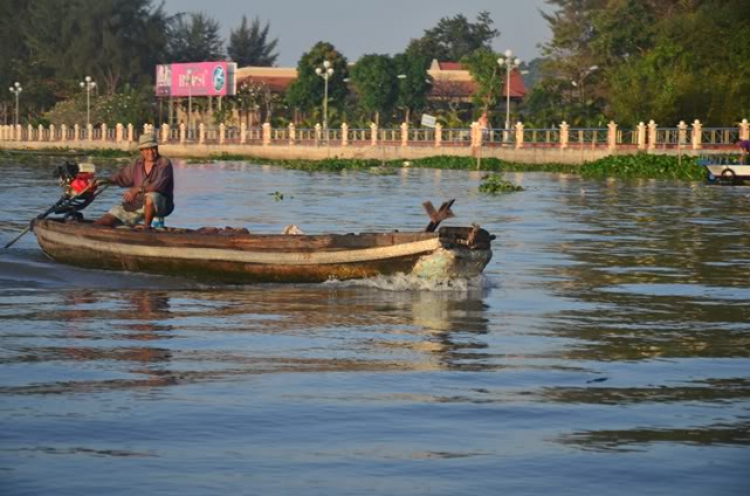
(541, 137)
(456, 137)
(719, 136)
(643, 137)
(626, 137)
(389, 136)
(582, 137)
(360, 136)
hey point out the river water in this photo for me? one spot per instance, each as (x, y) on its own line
(605, 351)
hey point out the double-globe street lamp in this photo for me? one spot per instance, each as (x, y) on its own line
(325, 72)
(510, 63)
(88, 85)
(16, 89)
(579, 85)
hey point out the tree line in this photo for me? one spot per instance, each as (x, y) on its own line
(621, 60)
(636, 60)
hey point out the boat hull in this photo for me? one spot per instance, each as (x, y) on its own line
(246, 258)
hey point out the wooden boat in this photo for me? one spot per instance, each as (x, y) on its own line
(239, 257)
(725, 171)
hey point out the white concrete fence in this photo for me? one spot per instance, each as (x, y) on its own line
(644, 137)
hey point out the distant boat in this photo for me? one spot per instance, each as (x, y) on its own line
(724, 170)
(234, 256)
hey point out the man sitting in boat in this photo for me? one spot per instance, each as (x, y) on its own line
(150, 183)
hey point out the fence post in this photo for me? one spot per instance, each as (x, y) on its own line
(131, 133)
(519, 135)
(651, 134)
(345, 134)
(697, 135)
(118, 133)
(612, 135)
(473, 127)
(165, 133)
(404, 134)
(222, 130)
(682, 134)
(374, 134)
(76, 132)
(104, 131)
(564, 135)
(267, 133)
(744, 129)
(89, 132)
(63, 132)
(243, 133)
(40, 132)
(52, 132)
(292, 134)
(183, 133)
(201, 133)
(318, 132)
(438, 135)
(641, 136)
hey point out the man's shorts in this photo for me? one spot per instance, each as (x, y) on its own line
(133, 218)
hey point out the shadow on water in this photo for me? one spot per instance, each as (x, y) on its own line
(165, 337)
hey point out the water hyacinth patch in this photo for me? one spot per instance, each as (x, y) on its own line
(495, 184)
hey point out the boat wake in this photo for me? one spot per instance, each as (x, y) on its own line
(410, 282)
(30, 270)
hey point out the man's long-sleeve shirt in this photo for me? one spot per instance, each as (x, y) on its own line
(160, 180)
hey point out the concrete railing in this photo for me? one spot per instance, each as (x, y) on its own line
(646, 136)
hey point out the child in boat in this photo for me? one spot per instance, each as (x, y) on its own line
(150, 183)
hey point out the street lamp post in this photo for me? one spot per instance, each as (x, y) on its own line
(510, 63)
(325, 72)
(579, 86)
(88, 85)
(16, 89)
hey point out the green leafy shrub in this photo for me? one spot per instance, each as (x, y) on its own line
(495, 184)
(644, 166)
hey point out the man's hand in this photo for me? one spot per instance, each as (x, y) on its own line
(131, 194)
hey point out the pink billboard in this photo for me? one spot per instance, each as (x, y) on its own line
(196, 79)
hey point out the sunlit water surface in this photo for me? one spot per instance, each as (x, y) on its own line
(606, 350)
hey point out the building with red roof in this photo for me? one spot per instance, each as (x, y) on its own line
(452, 81)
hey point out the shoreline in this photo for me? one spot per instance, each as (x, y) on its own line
(383, 153)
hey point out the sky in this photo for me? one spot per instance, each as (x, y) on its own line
(359, 27)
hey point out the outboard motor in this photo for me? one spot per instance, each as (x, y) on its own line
(79, 190)
(76, 179)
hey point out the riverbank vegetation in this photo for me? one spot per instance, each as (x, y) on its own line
(639, 166)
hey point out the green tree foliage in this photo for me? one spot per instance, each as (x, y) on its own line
(114, 42)
(250, 46)
(195, 38)
(487, 75)
(306, 92)
(415, 85)
(374, 79)
(50, 46)
(455, 37)
(666, 60)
